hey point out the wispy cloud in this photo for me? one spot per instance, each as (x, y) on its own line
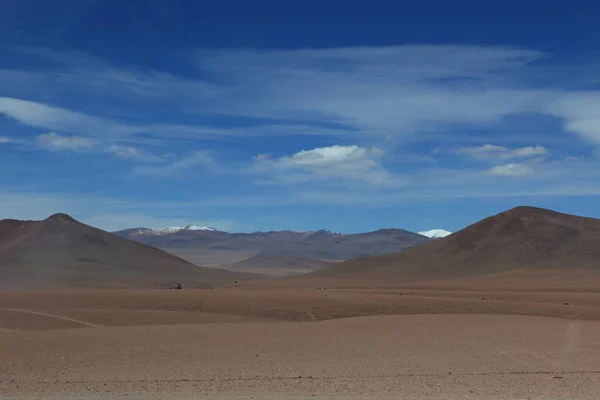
(488, 151)
(261, 157)
(397, 90)
(52, 141)
(48, 117)
(5, 139)
(381, 90)
(197, 158)
(132, 153)
(579, 111)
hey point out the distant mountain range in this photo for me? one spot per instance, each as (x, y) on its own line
(321, 244)
(524, 244)
(173, 229)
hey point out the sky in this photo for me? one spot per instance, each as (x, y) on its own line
(248, 116)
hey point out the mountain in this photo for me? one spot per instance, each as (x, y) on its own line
(277, 265)
(521, 239)
(321, 244)
(163, 231)
(435, 233)
(60, 251)
(281, 261)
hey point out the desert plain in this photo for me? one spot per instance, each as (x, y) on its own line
(248, 342)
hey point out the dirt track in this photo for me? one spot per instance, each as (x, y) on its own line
(415, 356)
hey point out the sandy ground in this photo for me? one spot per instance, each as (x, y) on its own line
(410, 356)
(294, 344)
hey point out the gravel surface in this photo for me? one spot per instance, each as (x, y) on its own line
(402, 356)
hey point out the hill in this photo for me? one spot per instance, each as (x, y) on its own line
(277, 265)
(521, 239)
(321, 244)
(60, 251)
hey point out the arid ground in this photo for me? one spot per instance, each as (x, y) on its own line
(241, 343)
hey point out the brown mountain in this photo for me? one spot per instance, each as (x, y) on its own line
(60, 251)
(524, 238)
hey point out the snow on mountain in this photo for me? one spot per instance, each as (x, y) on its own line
(166, 230)
(198, 228)
(174, 229)
(435, 233)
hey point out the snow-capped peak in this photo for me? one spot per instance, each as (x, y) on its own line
(435, 233)
(174, 229)
(198, 228)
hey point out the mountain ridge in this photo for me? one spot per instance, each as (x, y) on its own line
(319, 244)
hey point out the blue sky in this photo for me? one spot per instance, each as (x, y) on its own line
(251, 116)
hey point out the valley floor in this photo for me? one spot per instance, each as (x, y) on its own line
(271, 344)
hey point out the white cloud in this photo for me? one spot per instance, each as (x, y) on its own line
(488, 151)
(511, 170)
(334, 157)
(5, 139)
(52, 141)
(329, 163)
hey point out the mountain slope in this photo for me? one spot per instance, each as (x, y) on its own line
(524, 237)
(320, 244)
(60, 251)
